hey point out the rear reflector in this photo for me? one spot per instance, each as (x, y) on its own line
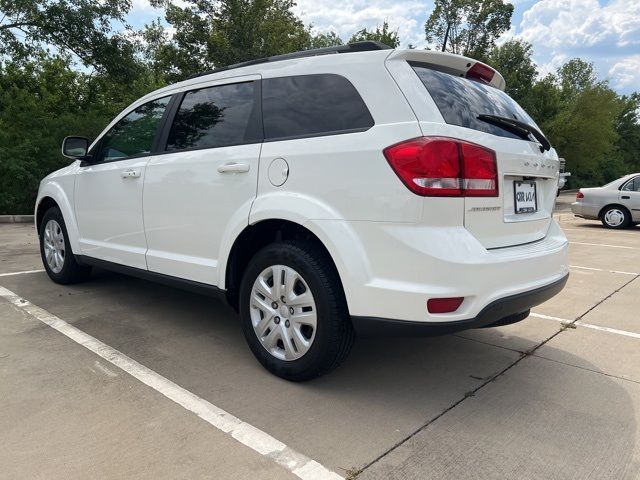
(444, 167)
(444, 305)
(579, 195)
(481, 73)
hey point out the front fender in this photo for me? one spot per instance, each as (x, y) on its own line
(60, 189)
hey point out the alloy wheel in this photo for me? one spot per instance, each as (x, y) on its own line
(54, 247)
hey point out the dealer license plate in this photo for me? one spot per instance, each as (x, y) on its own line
(525, 197)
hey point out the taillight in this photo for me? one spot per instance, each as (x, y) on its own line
(444, 167)
(481, 72)
(579, 195)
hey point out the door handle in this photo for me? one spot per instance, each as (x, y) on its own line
(625, 197)
(130, 174)
(234, 168)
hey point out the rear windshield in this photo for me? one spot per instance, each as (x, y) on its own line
(461, 100)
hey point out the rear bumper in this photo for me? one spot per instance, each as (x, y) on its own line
(406, 265)
(584, 210)
(503, 311)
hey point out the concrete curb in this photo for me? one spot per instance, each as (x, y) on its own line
(16, 218)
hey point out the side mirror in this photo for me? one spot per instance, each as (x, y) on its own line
(75, 147)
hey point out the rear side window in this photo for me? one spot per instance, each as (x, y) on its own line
(632, 185)
(312, 105)
(214, 117)
(461, 100)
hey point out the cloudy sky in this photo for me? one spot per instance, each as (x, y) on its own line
(604, 32)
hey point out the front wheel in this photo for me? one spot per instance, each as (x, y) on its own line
(616, 217)
(293, 311)
(57, 257)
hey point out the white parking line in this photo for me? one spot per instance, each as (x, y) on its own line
(592, 229)
(604, 245)
(603, 270)
(20, 273)
(588, 325)
(254, 438)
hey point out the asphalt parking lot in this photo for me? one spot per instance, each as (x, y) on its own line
(174, 391)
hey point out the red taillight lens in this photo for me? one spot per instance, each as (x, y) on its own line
(579, 195)
(444, 305)
(444, 167)
(481, 72)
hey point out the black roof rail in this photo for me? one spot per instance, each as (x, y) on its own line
(366, 46)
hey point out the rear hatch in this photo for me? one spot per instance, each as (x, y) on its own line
(456, 97)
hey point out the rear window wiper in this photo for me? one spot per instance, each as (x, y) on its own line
(518, 128)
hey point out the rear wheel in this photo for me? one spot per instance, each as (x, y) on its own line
(57, 257)
(293, 311)
(615, 216)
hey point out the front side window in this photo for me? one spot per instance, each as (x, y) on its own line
(214, 117)
(312, 105)
(134, 134)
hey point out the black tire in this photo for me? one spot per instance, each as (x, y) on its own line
(72, 271)
(626, 221)
(334, 333)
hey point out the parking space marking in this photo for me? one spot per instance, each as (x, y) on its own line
(20, 273)
(591, 229)
(604, 245)
(603, 270)
(588, 325)
(246, 434)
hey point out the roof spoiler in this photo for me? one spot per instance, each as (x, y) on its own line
(454, 64)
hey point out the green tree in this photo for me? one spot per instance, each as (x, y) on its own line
(513, 60)
(383, 33)
(324, 40)
(575, 76)
(83, 28)
(215, 34)
(467, 27)
(544, 101)
(583, 132)
(627, 126)
(41, 101)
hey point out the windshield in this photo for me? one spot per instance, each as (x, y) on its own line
(461, 100)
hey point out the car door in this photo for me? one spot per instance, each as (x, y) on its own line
(630, 197)
(204, 183)
(108, 188)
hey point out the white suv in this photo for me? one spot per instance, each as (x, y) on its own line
(342, 191)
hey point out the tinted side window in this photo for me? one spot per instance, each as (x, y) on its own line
(134, 134)
(309, 105)
(214, 117)
(461, 100)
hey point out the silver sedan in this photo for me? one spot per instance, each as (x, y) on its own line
(616, 205)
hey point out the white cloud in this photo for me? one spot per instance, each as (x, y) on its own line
(626, 72)
(347, 17)
(552, 66)
(580, 23)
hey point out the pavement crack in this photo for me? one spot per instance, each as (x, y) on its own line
(588, 369)
(472, 393)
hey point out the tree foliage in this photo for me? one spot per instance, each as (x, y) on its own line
(513, 60)
(467, 27)
(383, 33)
(83, 28)
(212, 34)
